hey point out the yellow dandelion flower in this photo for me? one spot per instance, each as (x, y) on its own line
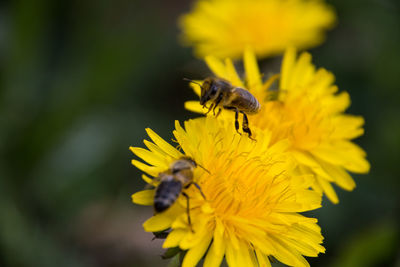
(252, 198)
(224, 28)
(308, 112)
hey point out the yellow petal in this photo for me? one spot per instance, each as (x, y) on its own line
(180, 223)
(302, 71)
(342, 178)
(350, 126)
(206, 208)
(194, 255)
(157, 223)
(310, 200)
(232, 74)
(163, 144)
(251, 67)
(148, 180)
(231, 255)
(328, 190)
(200, 230)
(305, 158)
(270, 81)
(151, 170)
(263, 260)
(280, 146)
(263, 243)
(287, 67)
(344, 153)
(317, 170)
(218, 241)
(304, 180)
(244, 257)
(302, 247)
(341, 103)
(145, 197)
(150, 157)
(196, 86)
(194, 106)
(288, 255)
(234, 241)
(154, 148)
(307, 233)
(215, 254)
(358, 165)
(174, 238)
(217, 67)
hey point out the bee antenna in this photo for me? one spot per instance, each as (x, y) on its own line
(204, 168)
(189, 80)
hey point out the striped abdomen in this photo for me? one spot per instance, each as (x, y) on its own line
(244, 101)
(167, 193)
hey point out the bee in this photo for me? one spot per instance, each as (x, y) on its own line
(172, 183)
(221, 93)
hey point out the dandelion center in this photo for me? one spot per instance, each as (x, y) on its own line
(237, 190)
(252, 198)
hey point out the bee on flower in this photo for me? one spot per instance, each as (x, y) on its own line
(252, 197)
(308, 111)
(223, 95)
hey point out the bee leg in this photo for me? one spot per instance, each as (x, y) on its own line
(245, 125)
(209, 109)
(217, 101)
(188, 211)
(237, 120)
(214, 109)
(236, 117)
(198, 187)
(219, 112)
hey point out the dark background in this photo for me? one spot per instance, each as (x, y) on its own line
(80, 81)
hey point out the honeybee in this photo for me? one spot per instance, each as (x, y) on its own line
(221, 93)
(172, 182)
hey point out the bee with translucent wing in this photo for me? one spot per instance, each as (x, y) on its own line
(222, 94)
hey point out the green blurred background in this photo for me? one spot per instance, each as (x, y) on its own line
(80, 81)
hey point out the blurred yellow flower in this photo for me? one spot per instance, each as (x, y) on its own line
(224, 28)
(308, 112)
(252, 198)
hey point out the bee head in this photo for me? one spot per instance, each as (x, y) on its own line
(184, 163)
(208, 91)
(191, 161)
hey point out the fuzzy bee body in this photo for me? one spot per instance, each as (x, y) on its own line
(223, 95)
(167, 192)
(243, 100)
(172, 183)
